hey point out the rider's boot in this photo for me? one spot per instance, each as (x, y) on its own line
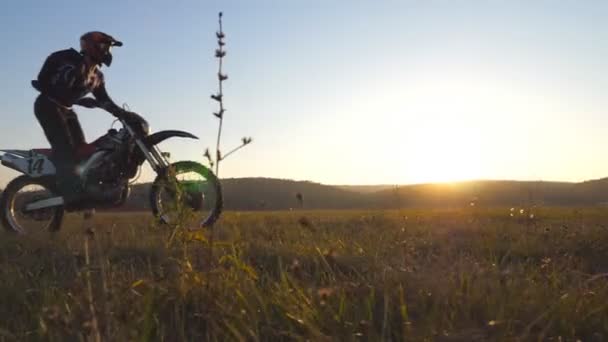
(70, 185)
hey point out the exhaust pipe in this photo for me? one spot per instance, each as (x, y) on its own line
(45, 203)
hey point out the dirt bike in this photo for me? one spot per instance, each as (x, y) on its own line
(31, 202)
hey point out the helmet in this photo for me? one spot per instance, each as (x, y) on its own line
(98, 45)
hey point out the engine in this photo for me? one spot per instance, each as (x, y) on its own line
(108, 167)
(107, 172)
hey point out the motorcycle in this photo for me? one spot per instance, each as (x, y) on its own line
(31, 202)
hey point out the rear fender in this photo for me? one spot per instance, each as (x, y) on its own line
(28, 162)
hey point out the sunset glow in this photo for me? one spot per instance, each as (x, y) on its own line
(370, 94)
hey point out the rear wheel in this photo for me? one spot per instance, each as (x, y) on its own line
(188, 193)
(18, 194)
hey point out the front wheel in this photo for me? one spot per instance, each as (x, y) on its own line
(186, 191)
(18, 194)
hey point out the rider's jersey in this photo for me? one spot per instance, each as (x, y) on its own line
(65, 80)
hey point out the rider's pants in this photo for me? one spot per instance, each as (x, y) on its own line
(61, 127)
(63, 131)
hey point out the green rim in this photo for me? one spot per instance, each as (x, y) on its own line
(210, 183)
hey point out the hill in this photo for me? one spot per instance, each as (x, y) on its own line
(281, 194)
(365, 188)
(272, 194)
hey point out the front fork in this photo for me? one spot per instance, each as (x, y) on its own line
(153, 155)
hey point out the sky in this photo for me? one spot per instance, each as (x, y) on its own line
(340, 92)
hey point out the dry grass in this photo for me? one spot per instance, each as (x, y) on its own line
(460, 275)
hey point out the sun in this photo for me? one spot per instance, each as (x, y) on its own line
(444, 150)
(444, 162)
(445, 136)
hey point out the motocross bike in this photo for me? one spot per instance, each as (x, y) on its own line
(31, 202)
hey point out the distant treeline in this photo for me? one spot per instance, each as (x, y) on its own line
(280, 194)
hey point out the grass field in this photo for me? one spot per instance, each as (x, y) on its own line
(450, 275)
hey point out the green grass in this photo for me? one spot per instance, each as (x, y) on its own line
(449, 275)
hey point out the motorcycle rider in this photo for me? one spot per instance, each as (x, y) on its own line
(65, 79)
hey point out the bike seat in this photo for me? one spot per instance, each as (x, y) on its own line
(44, 151)
(83, 152)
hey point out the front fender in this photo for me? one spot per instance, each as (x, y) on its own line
(161, 136)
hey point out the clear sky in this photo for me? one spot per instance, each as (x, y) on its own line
(342, 92)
